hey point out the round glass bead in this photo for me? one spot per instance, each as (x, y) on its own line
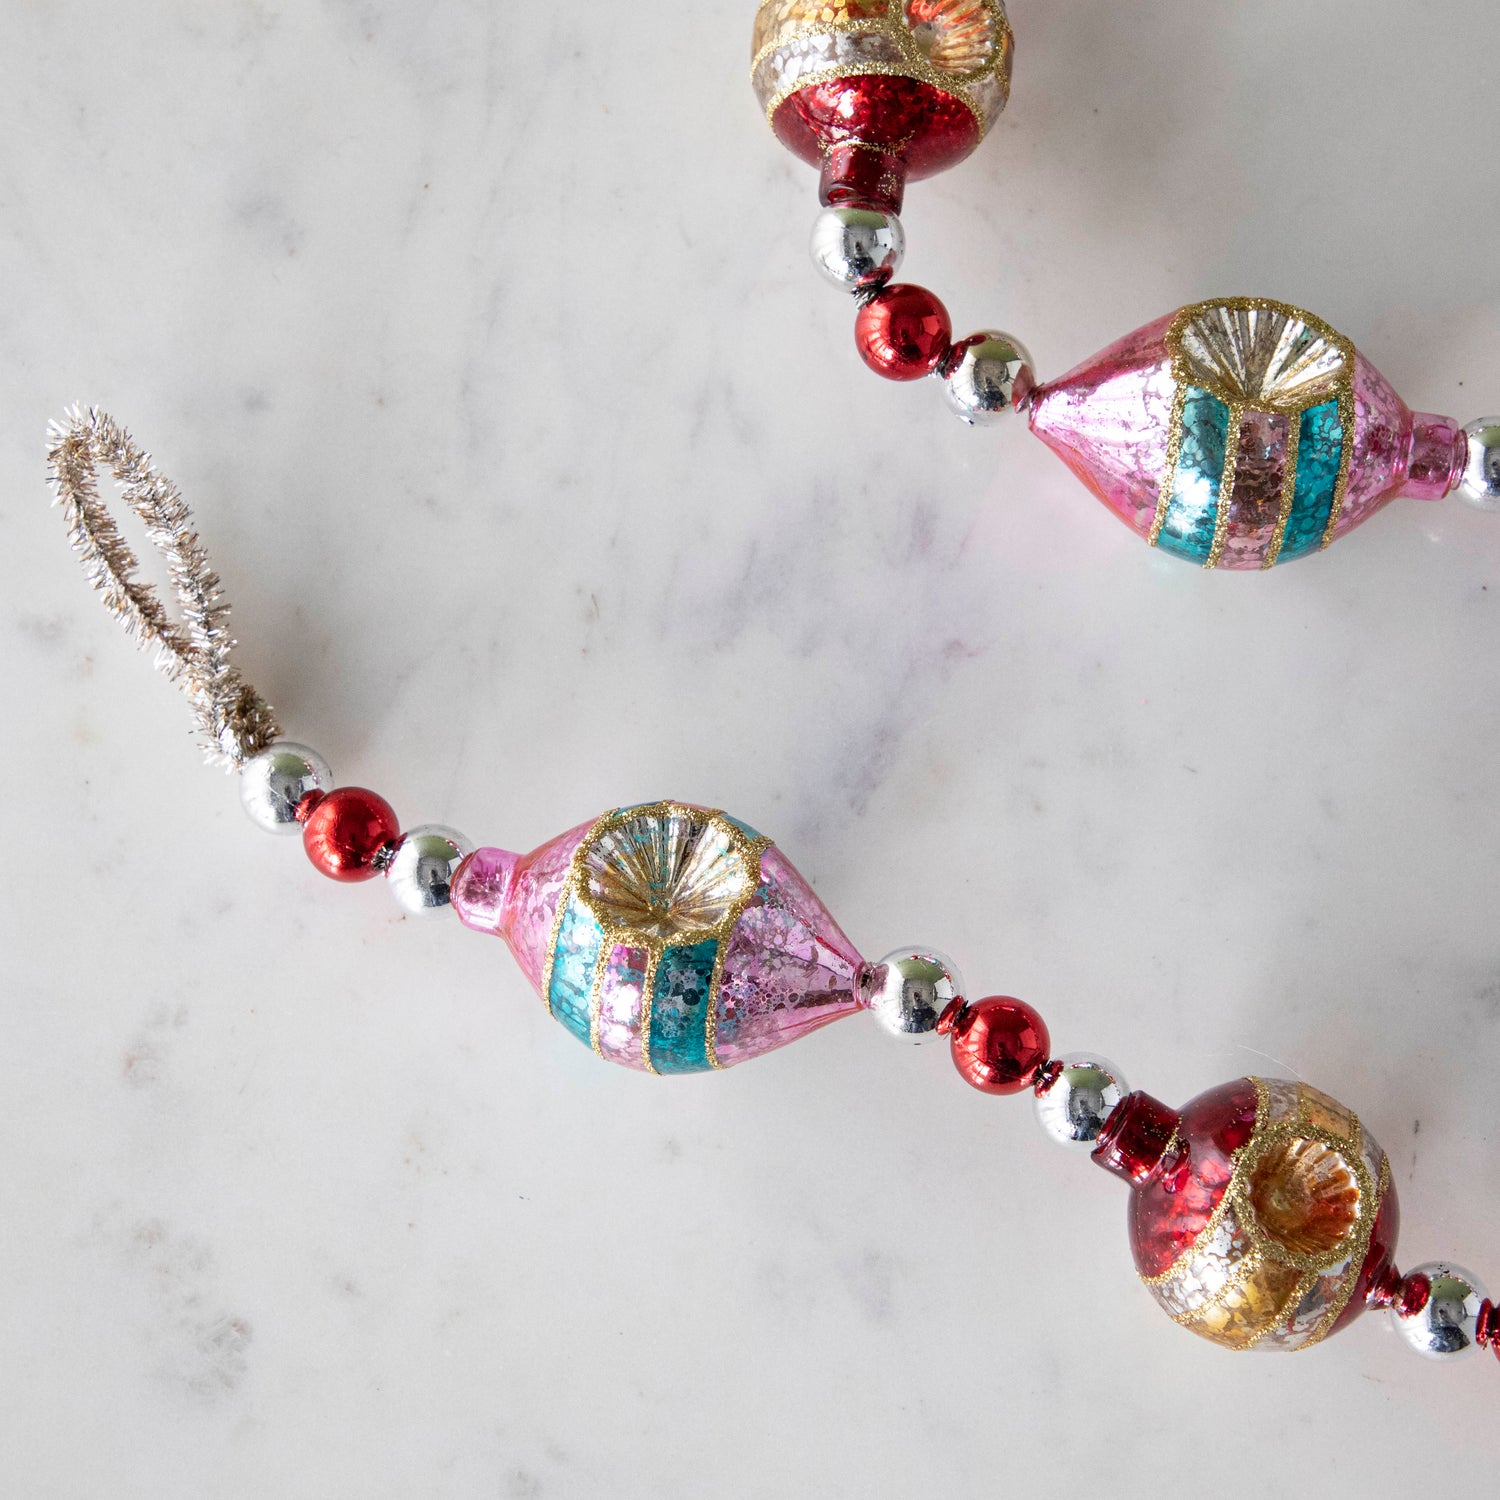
(999, 1044)
(348, 832)
(903, 332)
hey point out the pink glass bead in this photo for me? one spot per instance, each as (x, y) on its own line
(1240, 433)
(670, 938)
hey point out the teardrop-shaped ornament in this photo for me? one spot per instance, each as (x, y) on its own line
(668, 937)
(1241, 433)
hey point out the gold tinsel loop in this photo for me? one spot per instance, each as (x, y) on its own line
(233, 721)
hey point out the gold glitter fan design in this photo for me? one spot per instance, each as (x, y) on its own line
(1264, 354)
(667, 876)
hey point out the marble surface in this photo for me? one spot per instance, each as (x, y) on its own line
(543, 477)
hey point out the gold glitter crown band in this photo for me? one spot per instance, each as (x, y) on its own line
(964, 47)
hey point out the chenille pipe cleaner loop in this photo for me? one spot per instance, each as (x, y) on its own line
(234, 722)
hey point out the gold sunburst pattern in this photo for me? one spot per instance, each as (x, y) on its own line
(668, 875)
(1264, 354)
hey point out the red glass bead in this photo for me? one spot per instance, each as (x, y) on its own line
(999, 1044)
(345, 832)
(903, 332)
(1135, 1137)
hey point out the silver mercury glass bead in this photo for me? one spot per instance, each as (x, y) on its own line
(987, 375)
(275, 781)
(1449, 1320)
(909, 989)
(1076, 1100)
(1480, 485)
(421, 867)
(857, 249)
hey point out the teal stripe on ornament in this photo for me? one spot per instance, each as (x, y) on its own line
(579, 938)
(1320, 452)
(1193, 511)
(680, 999)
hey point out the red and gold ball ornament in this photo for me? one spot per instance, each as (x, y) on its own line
(877, 93)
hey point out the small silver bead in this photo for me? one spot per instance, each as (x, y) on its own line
(421, 867)
(987, 375)
(1075, 1104)
(1449, 1321)
(857, 248)
(1480, 485)
(275, 781)
(909, 989)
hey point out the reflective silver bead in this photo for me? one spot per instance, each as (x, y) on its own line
(421, 867)
(1450, 1319)
(987, 375)
(1076, 1103)
(909, 989)
(1480, 485)
(275, 781)
(857, 248)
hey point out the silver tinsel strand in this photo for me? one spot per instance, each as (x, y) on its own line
(233, 721)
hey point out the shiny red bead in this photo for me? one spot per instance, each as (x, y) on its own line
(345, 832)
(999, 1044)
(903, 332)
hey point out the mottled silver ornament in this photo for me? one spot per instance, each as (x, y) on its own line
(275, 781)
(1081, 1091)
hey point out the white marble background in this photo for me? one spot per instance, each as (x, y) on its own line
(543, 477)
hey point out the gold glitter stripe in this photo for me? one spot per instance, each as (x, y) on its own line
(596, 993)
(914, 62)
(1169, 473)
(1346, 457)
(1288, 491)
(653, 958)
(1226, 483)
(711, 1020)
(1233, 1285)
(1262, 1111)
(873, 69)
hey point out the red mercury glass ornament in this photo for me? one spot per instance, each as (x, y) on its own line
(1263, 1213)
(345, 831)
(876, 92)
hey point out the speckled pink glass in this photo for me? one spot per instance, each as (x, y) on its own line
(1110, 420)
(788, 968)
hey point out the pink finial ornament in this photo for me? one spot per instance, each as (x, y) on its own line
(669, 938)
(1241, 433)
